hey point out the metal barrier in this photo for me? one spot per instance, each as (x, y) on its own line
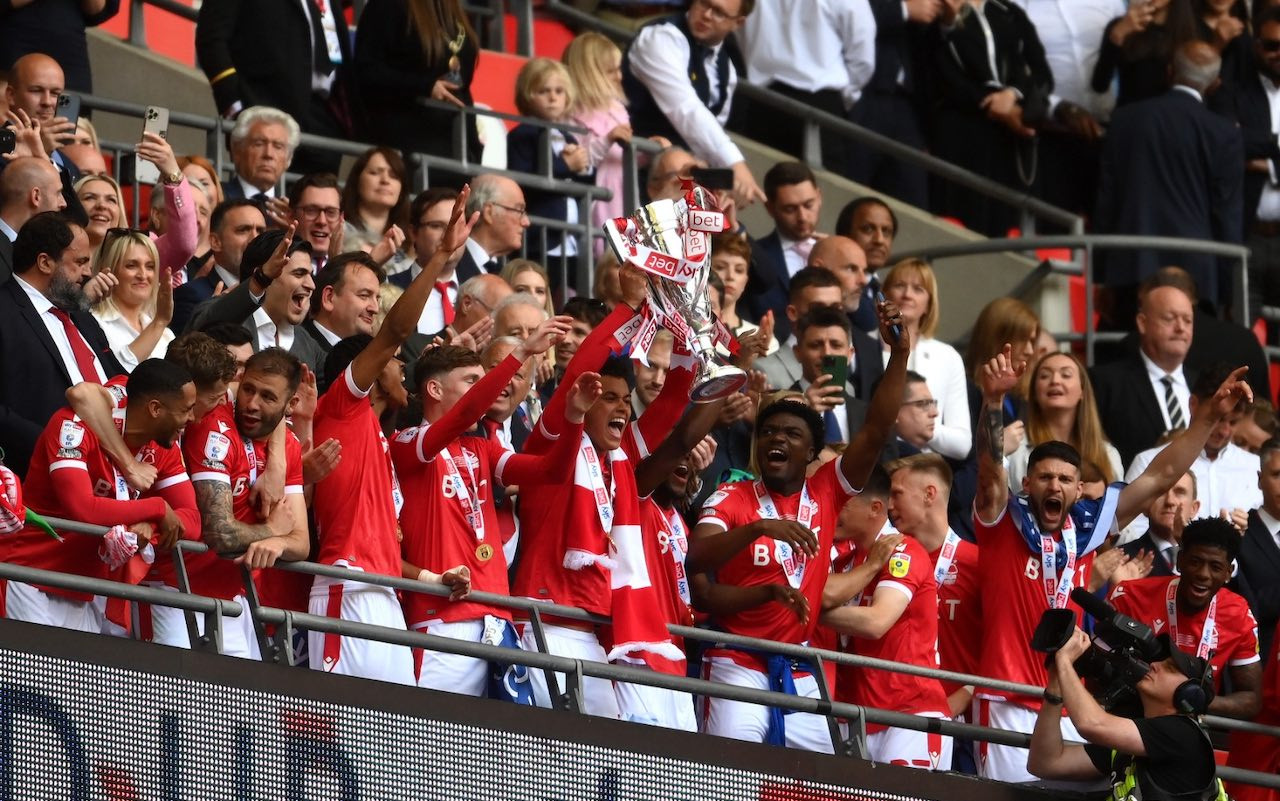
(1088, 243)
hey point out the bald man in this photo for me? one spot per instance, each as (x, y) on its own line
(842, 256)
(28, 186)
(500, 230)
(668, 169)
(35, 84)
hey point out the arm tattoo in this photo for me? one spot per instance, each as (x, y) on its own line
(991, 433)
(218, 526)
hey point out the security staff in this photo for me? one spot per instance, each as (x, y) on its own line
(1163, 756)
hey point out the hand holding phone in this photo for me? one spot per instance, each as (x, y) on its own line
(895, 329)
(156, 121)
(836, 366)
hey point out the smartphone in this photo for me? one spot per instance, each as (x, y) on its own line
(838, 368)
(69, 107)
(8, 139)
(713, 178)
(156, 121)
(894, 329)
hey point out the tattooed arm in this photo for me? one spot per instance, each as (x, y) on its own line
(225, 534)
(997, 377)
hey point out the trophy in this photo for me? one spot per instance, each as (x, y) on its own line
(669, 240)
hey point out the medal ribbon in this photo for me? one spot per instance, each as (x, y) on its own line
(793, 564)
(602, 497)
(1209, 637)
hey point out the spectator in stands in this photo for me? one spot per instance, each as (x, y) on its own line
(584, 314)
(1225, 25)
(477, 298)
(270, 54)
(843, 257)
(1015, 568)
(272, 299)
(606, 284)
(201, 172)
(821, 55)
(412, 50)
(54, 28)
(676, 96)
(315, 207)
(917, 418)
(1000, 321)
(518, 315)
(500, 232)
(872, 224)
(44, 304)
(1208, 548)
(992, 87)
(1061, 407)
(1247, 102)
(158, 222)
(823, 333)
(913, 288)
(375, 208)
(232, 226)
(35, 84)
(135, 314)
(1259, 577)
(1257, 425)
(1166, 517)
(667, 173)
(545, 91)
(178, 236)
(1138, 46)
(1194, 155)
(730, 259)
(100, 197)
(651, 377)
(345, 299)
(428, 215)
(1147, 393)
(86, 159)
(263, 143)
(794, 201)
(528, 277)
(28, 186)
(236, 339)
(1226, 474)
(889, 104)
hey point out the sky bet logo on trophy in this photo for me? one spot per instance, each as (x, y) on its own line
(670, 240)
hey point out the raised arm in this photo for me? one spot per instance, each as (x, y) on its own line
(1172, 463)
(555, 465)
(864, 450)
(997, 377)
(93, 403)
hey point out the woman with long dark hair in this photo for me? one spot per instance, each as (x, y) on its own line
(1138, 48)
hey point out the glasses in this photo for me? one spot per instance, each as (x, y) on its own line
(519, 211)
(924, 404)
(1269, 45)
(330, 213)
(716, 13)
(112, 233)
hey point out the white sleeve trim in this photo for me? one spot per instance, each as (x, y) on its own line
(502, 464)
(715, 521)
(176, 478)
(293, 489)
(1246, 661)
(62, 464)
(897, 585)
(551, 437)
(221, 478)
(350, 376)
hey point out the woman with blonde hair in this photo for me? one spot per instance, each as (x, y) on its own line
(135, 314)
(527, 275)
(100, 195)
(1062, 407)
(913, 287)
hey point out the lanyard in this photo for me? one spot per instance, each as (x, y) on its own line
(463, 492)
(1056, 589)
(602, 497)
(949, 547)
(793, 562)
(397, 497)
(122, 490)
(1209, 637)
(679, 541)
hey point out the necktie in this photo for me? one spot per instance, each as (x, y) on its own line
(491, 266)
(84, 357)
(832, 424)
(446, 306)
(1176, 420)
(1171, 556)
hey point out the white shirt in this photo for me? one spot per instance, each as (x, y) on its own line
(659, 60)
(1228, 482)
(1269, 202)
(1071, 33)
(1180, 390)
(58, 333)
(1180, 88)
(328, 335)
(268, 335)
(811, 45)
(322, 83)
(7, 230)
(250, 191)
(432, 319)
(1273, 525)
(229, 281)
(478, 254)
(120, 335)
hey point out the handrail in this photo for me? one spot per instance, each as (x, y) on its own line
(115, 589)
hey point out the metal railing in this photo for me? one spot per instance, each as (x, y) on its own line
(279, 649)
(1088, 243)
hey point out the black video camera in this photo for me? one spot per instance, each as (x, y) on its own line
(1121, 654)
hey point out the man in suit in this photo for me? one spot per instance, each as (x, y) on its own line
(1144, 394)
(232, 226)
(871, 223)
(272, 299)
(263, 143)
(345, 300)
(315, 206)
(842, 256)
(794, 201)
(35, 84)
(28, 186)
(1259, 577)
(1170, 167)
(48, 340)
(429, 216)
(1251, 104)
(279, 53)
(917, 418)
(1166, 517)
(500, 229)
(821, 333)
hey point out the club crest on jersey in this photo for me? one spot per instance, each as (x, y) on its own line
(119, 393)
(900, 565)
(715, 498)
(407, 435)
(216, 447)
(71, 434)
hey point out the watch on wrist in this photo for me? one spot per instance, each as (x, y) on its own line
(172, 179)
(262, 278)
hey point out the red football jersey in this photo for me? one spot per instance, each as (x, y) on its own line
(1259, 751)
(959, 612)
(912, 640)
(356, 506)
(666, 543)
(1011, 581)
(217, 452)
(1236, 643)
(766, 561)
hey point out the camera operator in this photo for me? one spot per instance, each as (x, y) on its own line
(1163, 756)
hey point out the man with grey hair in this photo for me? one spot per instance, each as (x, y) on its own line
(1171, 167)
(478, 297)
(518, 315)
(500, 231)
(262, 146)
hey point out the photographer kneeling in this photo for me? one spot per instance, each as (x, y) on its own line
(1163, 756)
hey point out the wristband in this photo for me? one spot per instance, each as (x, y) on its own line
(262, 278)
(1051, 699)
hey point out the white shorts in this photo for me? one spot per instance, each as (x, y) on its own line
(1008, 763)
(655, 706)
(743, 721)
(352, 656)
(911, 748)
(26, 603)
(598, 697)
(454, 673)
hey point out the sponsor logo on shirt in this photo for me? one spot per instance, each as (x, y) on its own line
(216, 447)
(900, 565)
(71, 435)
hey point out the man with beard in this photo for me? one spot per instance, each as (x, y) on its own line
(227, 450)
(1036, 546)
(49, 339)
(72, 475)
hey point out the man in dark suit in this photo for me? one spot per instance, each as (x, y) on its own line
(233, 225)
(822, 333)
(280, 53)
(500, 229)
(35, 83)
(428, 216)
(263, 143)
(794, 201)
(1144, 394)
(28, 186)
(1166, 517)
(1259, 577)
(1170, 167)
(345, 300)
(48, 340)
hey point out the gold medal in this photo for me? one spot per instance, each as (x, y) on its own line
(484, 552)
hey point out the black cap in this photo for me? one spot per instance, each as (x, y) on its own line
(1193, 667)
